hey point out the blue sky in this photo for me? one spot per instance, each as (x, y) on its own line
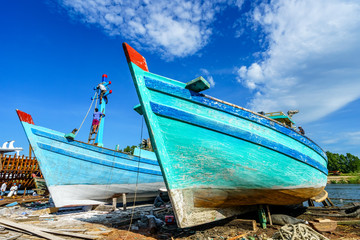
(262, 55)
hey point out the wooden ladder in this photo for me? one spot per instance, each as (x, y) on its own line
(92, 133)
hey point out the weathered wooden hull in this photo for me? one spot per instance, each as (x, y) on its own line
(19, 170)
(217, 157)
(77, 173)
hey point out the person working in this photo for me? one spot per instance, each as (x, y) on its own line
(158, 200)
(13, 190)
(103, 90)
(96, 120)
(3, 189)
(301, 130)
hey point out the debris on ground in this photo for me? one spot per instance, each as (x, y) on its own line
(297, 232)
(39, 219)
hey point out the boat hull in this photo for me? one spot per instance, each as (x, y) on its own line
(218, 158)
(77, 173)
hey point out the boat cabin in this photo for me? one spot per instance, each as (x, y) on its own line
(281, 117)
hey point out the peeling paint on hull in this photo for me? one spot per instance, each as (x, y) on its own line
(217, 158)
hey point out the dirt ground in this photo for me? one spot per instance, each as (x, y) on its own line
(135, 223)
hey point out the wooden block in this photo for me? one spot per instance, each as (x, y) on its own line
(53, 209)
(327, 226)
(320, 197)
(322, 220)
(198, 84)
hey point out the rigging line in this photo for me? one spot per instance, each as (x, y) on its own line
(95, 96)
(137, 178)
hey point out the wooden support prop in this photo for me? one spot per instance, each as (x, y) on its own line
(325, 204)
(330, 202)
(114, 202)
(124, 201)
(269, 215)
(24, 192)
(30, 151)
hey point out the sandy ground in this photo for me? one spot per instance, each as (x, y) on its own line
(103, 224)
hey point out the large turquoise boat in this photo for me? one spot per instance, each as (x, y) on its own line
(218, 158)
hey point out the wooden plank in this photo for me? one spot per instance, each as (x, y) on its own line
(348, 222)
(31, 229)
(68, 234)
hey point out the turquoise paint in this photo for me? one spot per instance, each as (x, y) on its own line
(211, 125)
(194, 157)
(198, 85)
(100, 134)
(192, 97)
(65, 162)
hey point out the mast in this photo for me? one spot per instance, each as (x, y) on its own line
(102, 105)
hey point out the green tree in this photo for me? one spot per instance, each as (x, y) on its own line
(129, 149)
(343, 163)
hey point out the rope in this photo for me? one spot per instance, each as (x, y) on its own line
(297, 232)
(137, 179)
(95, 95)
(94, 98)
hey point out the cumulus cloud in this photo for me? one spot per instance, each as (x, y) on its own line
(312, 58)
(208, 76)
(176, 28)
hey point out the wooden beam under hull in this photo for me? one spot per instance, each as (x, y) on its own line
(219, 198)
(199, 206)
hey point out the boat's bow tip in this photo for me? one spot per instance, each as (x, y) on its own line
(24, 117)
(133, 56)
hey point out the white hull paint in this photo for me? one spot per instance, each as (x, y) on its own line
(81, 195)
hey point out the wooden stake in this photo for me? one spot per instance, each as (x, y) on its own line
(268, 213)
(114, 203)
(30, 150)
(124, 201)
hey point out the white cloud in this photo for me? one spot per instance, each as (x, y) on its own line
(208, 76)
(343, 139)
(176, 28)
(312, 61)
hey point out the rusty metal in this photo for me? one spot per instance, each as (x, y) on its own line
(19, 169)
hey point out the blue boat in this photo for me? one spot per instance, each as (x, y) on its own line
(79, 173)
(217, 158)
